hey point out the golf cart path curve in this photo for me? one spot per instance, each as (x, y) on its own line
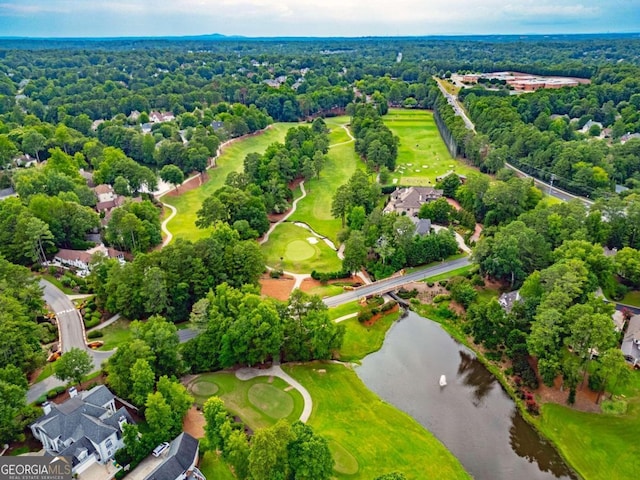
(276, 371)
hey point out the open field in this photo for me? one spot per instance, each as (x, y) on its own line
(298, 252)
(315, 209)
(367, 436)
(422, 154)
(598, 445)
(183, 225)
(360, 340)
(257, 402)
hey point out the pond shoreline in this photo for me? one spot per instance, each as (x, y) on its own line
(480, 423)
(499, 375)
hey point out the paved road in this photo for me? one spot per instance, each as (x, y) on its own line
(549, 190)
(72, 336)
(384, 286)
(545, 187)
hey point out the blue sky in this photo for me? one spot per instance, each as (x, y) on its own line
(100, 18)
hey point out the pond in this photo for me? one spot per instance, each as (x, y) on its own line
(472, 415)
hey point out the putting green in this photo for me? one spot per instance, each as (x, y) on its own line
(271, 400)
(299, 250)
(204, 388)
(289, 248)
(344, 462)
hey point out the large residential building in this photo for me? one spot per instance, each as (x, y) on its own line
(409, 200)
(87, 427)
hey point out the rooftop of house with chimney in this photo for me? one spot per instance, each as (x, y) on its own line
(80, 424)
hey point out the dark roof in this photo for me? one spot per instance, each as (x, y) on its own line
(180, 458)
(99, 395)
(79, 417)
(75, 449)
(423, 225)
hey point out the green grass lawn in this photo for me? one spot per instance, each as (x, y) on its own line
(452, 273)
(257, 402)
(299, 255)
(598, 445)
(486, 294)
(115, 334)
(46, 372)
(57, 283)
(360, 341)
(184, 223)
(326, 290)
(422, 154)
(214, 468)
(344, 309)
(368, 436)
(632, 298)
(315, 208)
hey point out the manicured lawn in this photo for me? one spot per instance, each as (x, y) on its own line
(366, 432)
(452, 273)
(115, 334)
(184, 223)
(422, 154)
(326, 290)
(596, 445)
(315, 208)
(213, 467)
(298, 253)
(46, 372)
(257, 402)
(632, 298)
(57, 283)
(360, 341)
(344, 309)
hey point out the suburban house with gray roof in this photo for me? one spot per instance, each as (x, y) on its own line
(87, 427)
(408, 201)
(180, 462)
(631, 342)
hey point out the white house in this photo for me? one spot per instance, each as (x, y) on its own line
(159, 117)
(81, 259)
(87, 427)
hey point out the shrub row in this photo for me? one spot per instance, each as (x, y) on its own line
(95, 334)
(91, 322)
(326, 276)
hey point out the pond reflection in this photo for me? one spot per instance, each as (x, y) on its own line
(471, 415)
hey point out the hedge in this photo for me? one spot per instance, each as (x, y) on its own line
(91, 322)
(95, 334)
